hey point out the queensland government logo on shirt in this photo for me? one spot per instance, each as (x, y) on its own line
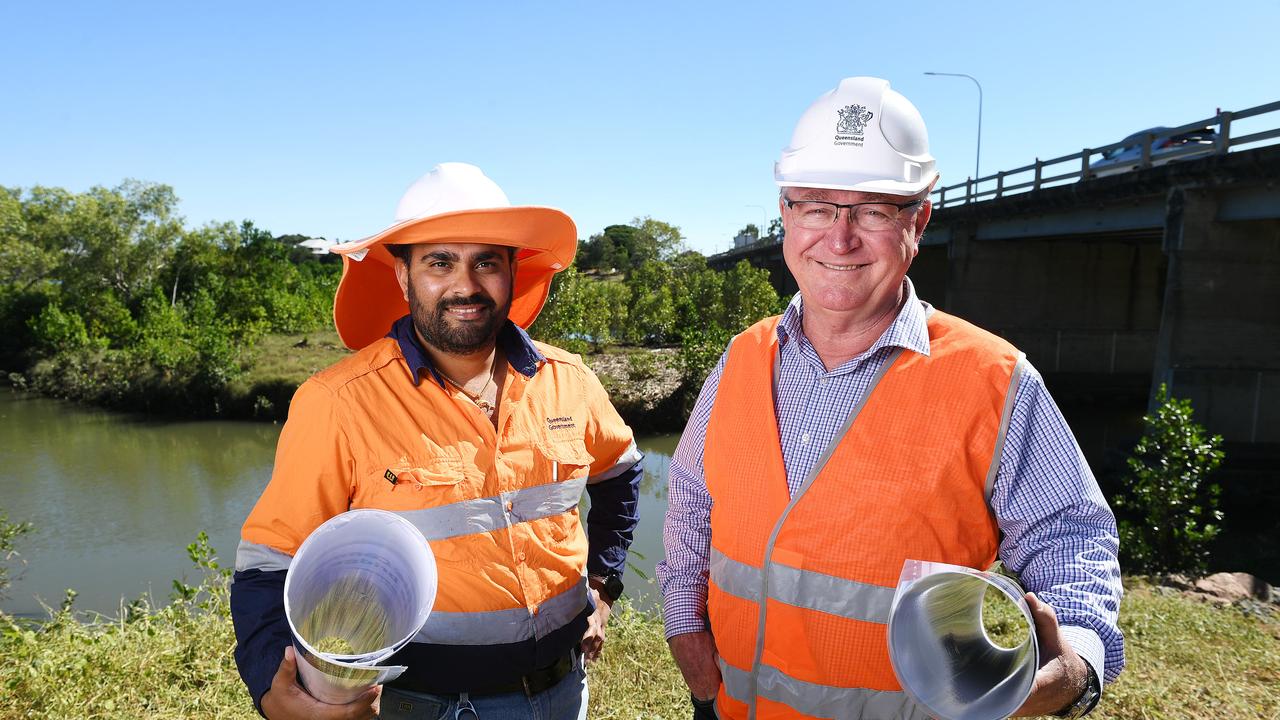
(853, 121)
(564, 422)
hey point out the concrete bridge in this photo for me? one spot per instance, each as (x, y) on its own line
(1112, 285)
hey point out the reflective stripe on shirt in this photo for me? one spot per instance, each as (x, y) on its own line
(481, 515)
(496, 627)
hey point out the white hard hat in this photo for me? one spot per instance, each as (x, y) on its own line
(450, 187)
(860, 136)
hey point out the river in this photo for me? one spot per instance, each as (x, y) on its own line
(115, 500)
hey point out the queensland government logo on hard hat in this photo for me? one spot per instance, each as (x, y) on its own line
(853, 120)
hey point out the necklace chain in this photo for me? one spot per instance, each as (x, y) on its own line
(477, 398)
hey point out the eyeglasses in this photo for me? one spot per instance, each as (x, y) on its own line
(869, 216)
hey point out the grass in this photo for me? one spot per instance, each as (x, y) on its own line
(1186, 660)
(291, 358)
(278, 365)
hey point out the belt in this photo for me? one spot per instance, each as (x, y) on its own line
(535, 682)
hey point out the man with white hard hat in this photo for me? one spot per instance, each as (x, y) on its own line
(450, 415)
(858, 430)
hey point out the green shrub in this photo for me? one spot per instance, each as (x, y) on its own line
(1169, 509)
(748, 296)
(561, 317)
(173, 661)
(653, 306)
(641, 366)
(108, 321)
(699, 353)
(56, 331)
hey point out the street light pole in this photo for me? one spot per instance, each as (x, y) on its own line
(978, 160)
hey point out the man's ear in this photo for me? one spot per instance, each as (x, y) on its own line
(402, 276)
(926, 212)
(922, 217)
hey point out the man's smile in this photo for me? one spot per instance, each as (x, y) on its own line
(467, 312)
(833, 266)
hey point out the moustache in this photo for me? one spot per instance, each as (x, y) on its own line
(477, 299)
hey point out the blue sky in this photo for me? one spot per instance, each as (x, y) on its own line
(314, 117)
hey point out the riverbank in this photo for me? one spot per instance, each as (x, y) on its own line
(1186, 659)
(645, 384)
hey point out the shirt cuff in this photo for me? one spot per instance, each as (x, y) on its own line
(1088, 646)
(684, 611)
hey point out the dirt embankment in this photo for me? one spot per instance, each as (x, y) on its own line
(645, 385)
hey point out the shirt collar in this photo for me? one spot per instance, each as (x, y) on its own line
(514, 341)
(909, 329)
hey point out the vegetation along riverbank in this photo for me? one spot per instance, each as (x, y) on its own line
(1187, 659)
(107, 298)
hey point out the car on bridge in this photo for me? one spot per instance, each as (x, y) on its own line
(1165, 148)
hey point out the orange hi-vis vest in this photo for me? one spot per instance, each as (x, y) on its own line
(801, 587)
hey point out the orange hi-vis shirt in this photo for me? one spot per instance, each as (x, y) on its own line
(801, 587)
(499, 507)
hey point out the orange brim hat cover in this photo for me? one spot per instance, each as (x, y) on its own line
(369, 298)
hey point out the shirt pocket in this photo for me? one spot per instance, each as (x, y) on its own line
(415, 484)
(564, 458)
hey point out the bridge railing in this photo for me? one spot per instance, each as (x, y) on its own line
(1073, 167)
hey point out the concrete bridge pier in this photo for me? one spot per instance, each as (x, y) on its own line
(1217, 342)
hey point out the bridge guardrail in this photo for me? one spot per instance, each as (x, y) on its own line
(1044, 173)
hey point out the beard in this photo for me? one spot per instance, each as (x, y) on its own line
(461, 338)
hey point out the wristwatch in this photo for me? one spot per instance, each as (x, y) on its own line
(610, 584)
(1088, 699)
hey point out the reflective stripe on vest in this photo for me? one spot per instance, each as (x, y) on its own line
(813, 574)
(815, 591)
(820, 701)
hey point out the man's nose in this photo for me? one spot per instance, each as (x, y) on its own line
(843, 236)
(466, 282)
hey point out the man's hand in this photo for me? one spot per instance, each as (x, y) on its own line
(1062, 675)
(593, 639)
(696, 655)
(287, 700)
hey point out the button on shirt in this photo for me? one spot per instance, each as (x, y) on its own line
(1057, 531)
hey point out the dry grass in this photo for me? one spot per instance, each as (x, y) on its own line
(350, 617)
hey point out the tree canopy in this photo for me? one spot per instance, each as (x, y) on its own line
(106, 294)
(107, 288)
(624, 248)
